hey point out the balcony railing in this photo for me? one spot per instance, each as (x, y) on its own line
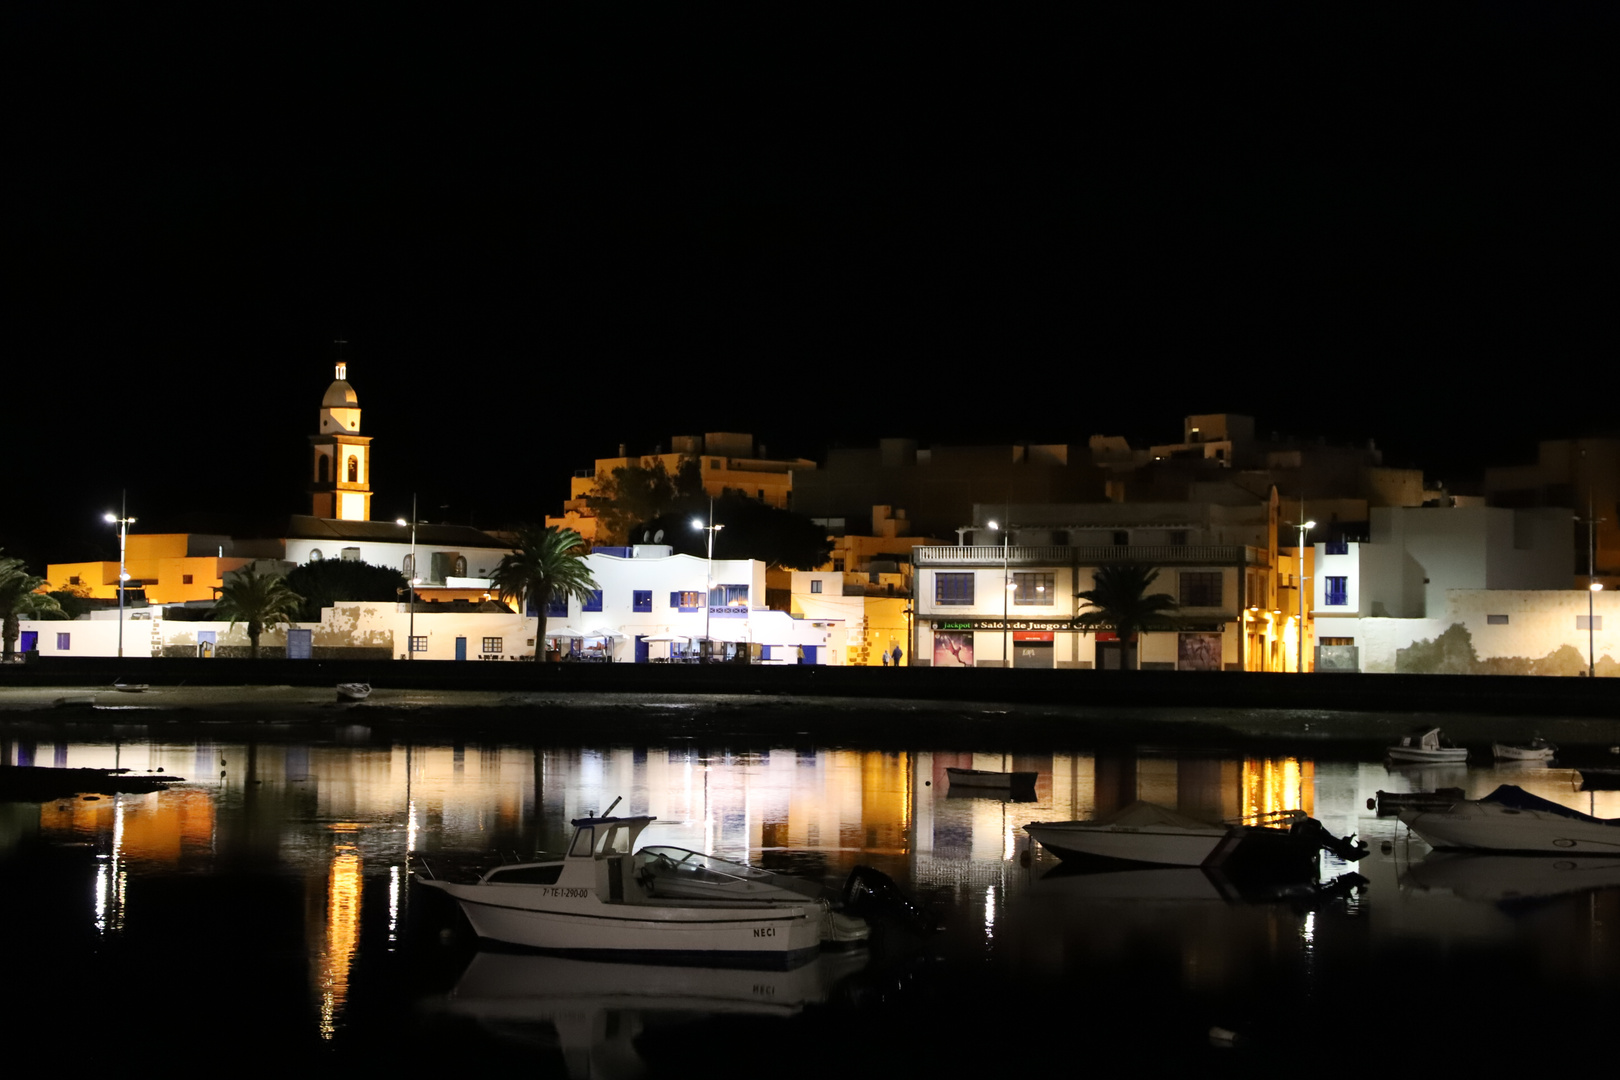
(1063, 555)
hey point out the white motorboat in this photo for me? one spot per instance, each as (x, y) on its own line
(353, 691)
(1511, 819)
(1426, 745)
(1534, 750)
(131, 687)
(606, 900)
(1145, 833)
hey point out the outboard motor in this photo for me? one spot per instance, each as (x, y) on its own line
(868, 893)
(1347, 848)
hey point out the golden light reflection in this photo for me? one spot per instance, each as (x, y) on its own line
(342, 933)
(1272, 785)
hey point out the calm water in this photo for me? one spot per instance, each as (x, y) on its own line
(264, 902)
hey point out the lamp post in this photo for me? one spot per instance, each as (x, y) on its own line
(410, 632)
(1303, 527)
(1593, 586)
(711, 528)
(123, 523)
(1006, 586)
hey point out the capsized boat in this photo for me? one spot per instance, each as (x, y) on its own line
(606, 900)
(1511, 819)
(1146, 833)
(1426, 745)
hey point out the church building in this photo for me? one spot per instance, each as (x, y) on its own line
(341, 478)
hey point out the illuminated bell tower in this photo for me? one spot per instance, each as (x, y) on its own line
(341, 477)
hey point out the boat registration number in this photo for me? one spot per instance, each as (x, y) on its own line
(571, 894)
(767, 931)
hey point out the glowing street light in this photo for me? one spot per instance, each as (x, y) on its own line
(123, 524)
(711, 528)
(410, 632)
(1303, 527)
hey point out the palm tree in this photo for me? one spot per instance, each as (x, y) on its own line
(545, 565)
(1119, 600)
(19, 599)
(259, 601)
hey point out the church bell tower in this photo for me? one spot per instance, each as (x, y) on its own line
(341, 477)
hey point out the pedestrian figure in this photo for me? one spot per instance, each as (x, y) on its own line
(885, 659)
(897, 655)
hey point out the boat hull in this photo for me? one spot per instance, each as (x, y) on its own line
(1503, 752)
(1419, 755)
(574, 922)
(1481, 826)
(1162, 846)
(979, 778)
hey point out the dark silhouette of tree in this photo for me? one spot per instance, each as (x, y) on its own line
(1119, 600)
(20, 599)
(636, 493)
(545, 564)
(753, 530)
(257, 599)
(327, 581)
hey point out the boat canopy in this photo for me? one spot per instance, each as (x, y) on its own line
(1516, 798)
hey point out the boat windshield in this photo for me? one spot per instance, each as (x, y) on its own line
(697, 866)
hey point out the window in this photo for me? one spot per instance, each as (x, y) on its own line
(185, 579)
(1122, 538)
(1178, 537)
(1335, 592)
(320, 475)
(1341, 546)
(493, 646)
(1038, 589)
(1496, 620)
(419, 643)
(407, 566)
(686, 601)
(557, 607)
(1332, 641)
(815, 586)
(459, 569)
(593, 602)
(729, 596)
(64, 642)
(354, 469)
(1200, 588)
(953, 589)
(1588, 622)
(315, 555)
(642, 600)
(74, 580)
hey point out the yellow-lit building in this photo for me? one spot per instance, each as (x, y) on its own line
(727, 461)
(165, 568)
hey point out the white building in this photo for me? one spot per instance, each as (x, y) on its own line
(1423, 569)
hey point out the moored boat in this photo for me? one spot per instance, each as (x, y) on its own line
(1426, 745)
(1535, 750)
(353, 691)
(986, 778)
(1145, 833)
(607, 900)
(1511, 819)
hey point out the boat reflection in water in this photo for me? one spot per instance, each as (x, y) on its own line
(1510, 878)
(1183, 884)
(595, 1012)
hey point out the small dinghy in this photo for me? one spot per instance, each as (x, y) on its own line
(353, 691)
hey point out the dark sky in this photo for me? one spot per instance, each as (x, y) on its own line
(543, 238)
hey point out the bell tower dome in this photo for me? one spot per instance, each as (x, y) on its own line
(341, 478)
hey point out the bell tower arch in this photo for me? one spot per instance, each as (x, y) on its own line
(340, 467)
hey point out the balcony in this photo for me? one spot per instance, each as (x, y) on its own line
(1063, 555)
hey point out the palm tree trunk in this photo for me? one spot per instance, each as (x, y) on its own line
(540, 630)
(13, 627)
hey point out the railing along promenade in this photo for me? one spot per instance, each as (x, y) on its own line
(1097, 555)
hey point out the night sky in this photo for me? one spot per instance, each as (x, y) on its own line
(544, 238)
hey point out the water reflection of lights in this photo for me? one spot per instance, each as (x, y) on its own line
(112, 878)
(343, 881)
(1271, 786)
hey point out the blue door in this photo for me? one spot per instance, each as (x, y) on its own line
(809, 653)
(30, 640)
(641, 649)
(461, 648)
(298, 644)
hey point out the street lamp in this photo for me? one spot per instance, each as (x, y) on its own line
(123, 524)
(1006, 589)
(410, 632)
(1303, 527)
(711, 528)
(1593, 586)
